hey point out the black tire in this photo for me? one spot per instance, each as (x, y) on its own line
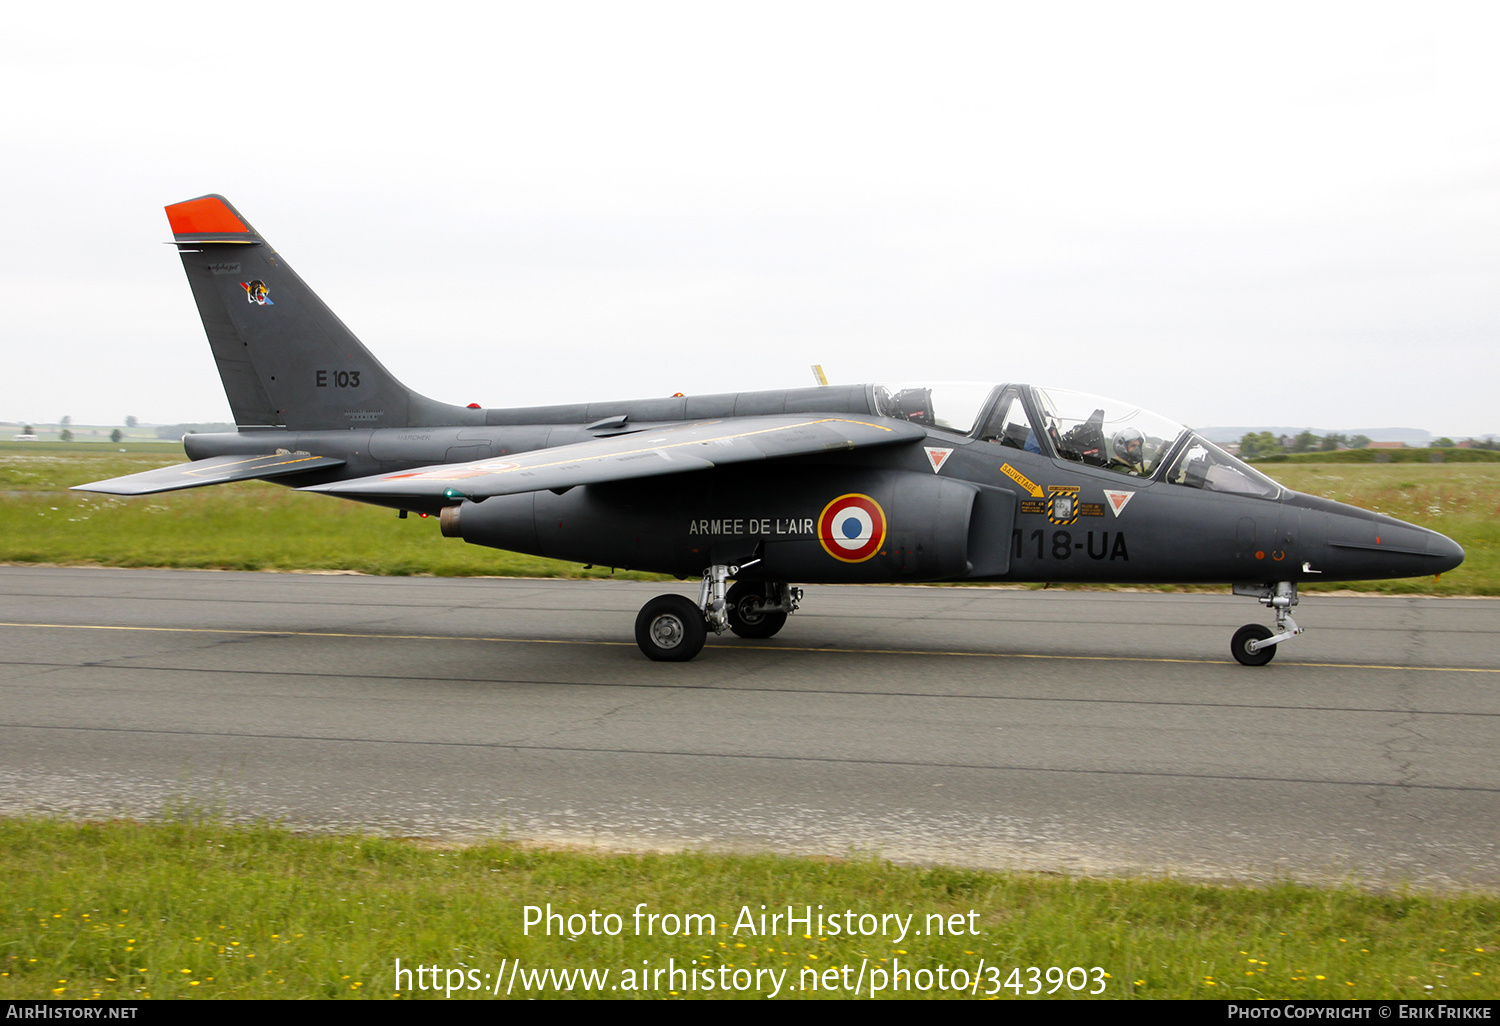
(670, 629)
(743, 621)
(1239, 645)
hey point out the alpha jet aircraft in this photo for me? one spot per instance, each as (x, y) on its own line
(864, 484)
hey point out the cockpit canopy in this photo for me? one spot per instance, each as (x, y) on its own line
(1074, 426)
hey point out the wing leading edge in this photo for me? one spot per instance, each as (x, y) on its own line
(677, 449)
(217, 470)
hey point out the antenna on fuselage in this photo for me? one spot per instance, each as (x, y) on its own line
(818, 374)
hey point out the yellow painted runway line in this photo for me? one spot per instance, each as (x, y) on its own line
(759, 648)
(309, 634)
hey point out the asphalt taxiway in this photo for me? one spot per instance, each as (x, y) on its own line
(1087, 732)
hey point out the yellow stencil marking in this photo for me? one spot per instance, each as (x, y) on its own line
(1021, 479)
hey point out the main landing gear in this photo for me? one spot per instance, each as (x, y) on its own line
(1255, 645)
(672, 628)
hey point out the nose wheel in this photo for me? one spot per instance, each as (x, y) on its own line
(1255, 645)
(1246, 647)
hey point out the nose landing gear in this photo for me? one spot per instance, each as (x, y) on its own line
(1253, 644)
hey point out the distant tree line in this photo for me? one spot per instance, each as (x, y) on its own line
(176, 431)
(1263, 443)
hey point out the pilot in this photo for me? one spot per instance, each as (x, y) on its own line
(1127, 448)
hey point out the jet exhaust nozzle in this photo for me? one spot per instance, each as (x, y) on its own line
(448, 521)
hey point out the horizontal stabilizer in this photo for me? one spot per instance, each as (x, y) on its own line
(697, 445)
(218, 470)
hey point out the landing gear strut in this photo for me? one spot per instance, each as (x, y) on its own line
(671, 628)
(1253, 644)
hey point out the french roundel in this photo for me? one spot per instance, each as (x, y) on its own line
(852, 528)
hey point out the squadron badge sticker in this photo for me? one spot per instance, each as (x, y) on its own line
(257, 293)
(852, 528)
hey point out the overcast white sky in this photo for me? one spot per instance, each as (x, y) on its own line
(1255, 214)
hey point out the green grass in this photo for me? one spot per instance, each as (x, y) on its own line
(1462, 500)
(119, 910)
(1413, 455)
(246, 526)
(136, 446)
(258, 526)
(192, 908)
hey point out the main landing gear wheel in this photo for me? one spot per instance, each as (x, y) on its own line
(1239, 646)
(670, 629)
(744, 619)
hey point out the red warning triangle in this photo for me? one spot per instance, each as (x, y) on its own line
(1117, 500)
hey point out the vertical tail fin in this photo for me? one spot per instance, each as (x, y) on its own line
(285, 359)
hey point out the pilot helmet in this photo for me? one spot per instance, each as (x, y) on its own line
(1128, 447)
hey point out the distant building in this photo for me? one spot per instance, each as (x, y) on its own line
(1386, 445)
(23, 438)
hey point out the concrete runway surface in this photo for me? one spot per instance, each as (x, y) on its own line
(1086, 732)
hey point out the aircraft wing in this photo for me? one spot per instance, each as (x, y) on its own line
(677, 449)
(217, 470)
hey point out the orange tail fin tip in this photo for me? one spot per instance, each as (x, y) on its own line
(203, 215)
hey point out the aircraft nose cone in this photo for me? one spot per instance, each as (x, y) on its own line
(1448, 552)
